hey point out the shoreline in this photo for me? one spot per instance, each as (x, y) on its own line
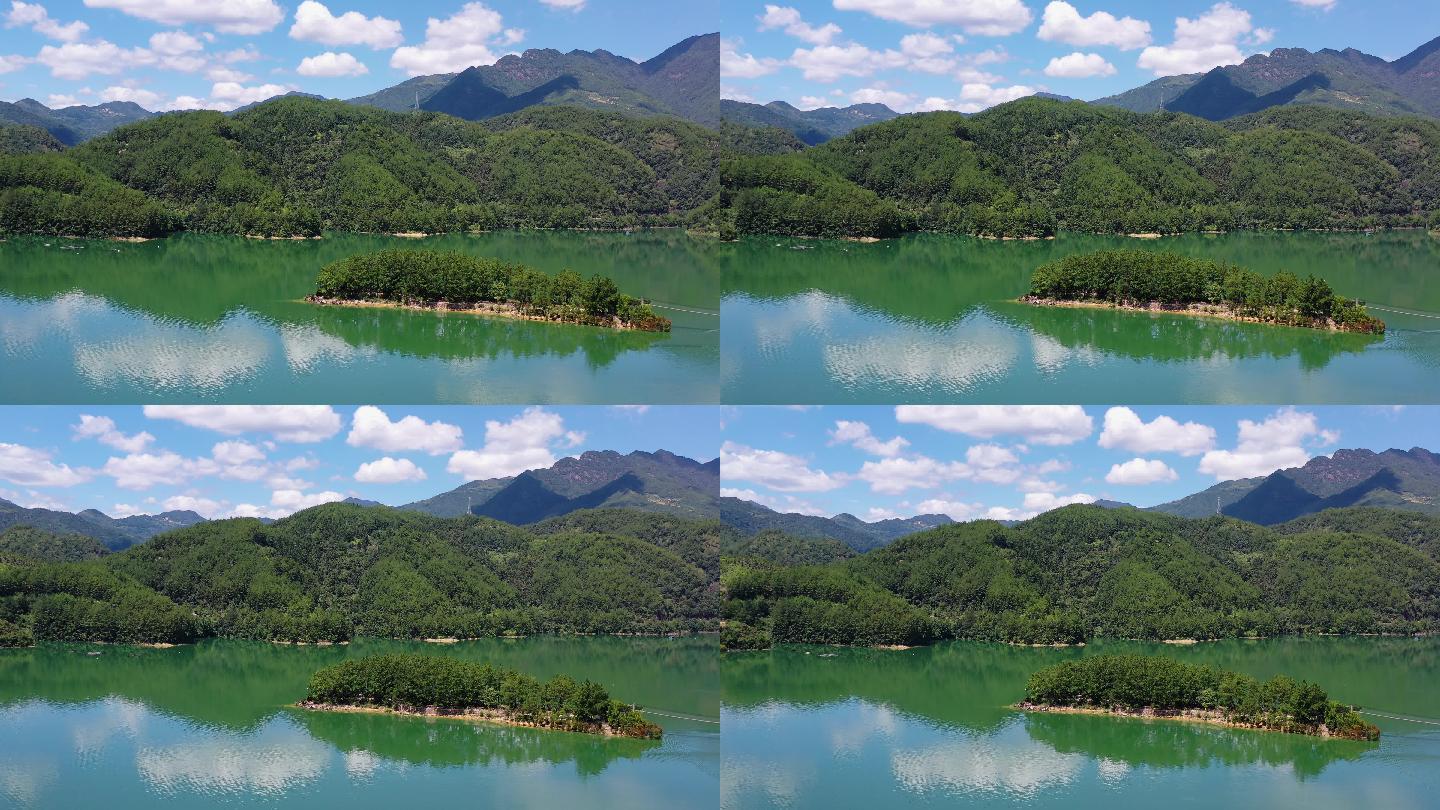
(481, 308)
(497, 717)
(1200, 716)
(1212, 311)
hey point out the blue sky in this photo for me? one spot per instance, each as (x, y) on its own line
(184, 54)
(1011, 462)
(224, 460)
(947, 54)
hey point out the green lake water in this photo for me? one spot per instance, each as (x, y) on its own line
(824, 727)
(934, 318)
(215, 318)
(208, 726)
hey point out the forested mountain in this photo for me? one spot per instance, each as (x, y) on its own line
(775, 546)
(114, 533)
(1083, 571)
(20, 139)
(1030, 167)
(296, 166)
(1348, 79)
(30, 543)
(810, 126)
(749, 518)
(683, 81)
(657, 482)
(338, 570)
(1406, 480)
(72, 125)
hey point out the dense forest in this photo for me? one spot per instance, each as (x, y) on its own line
(339, 570)
(429, 277)
(1030, 167)
(1081, 572)
(295, 166)
(1139, 278)
(1133, 683)
(412, 683)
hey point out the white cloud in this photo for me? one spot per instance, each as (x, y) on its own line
(145, 470)
(787, 18)
(773, 469)
(37, 18)
(454, 43)
(287, 423)
(976, 96)
(1040, 424)
(315, 23)
(892, 476)
(55, 101)
(76, 60)
(523, 443)
(389, 470)
(226, 16)
(206, 507)
(220, 73)
(1264, 447)
(371, 427)
(1124, 430)
(289, 500)
(1079, 66)
(229, 95)
(174, 43)
(12, 63)
(149, 99)
(565, 5)
(812, 102)
(737, 65)
(1037, 502)
(237, 452)
(102, 429)
(958, 510)
(331, 64)
(1139, 471)
(894, 99)
(928, 53)
(32, 467)
(1063, 23)
(859, 435)
(781, 503)
(826, 63)
(991, 18)
(1202, 43)
(1323, 5)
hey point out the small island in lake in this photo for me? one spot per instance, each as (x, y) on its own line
(431, 686)
(455, 282)
(1154, 686)
(1168, 282)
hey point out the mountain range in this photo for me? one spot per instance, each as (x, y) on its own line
(72, 125)
(1348, 79)
(115, 533)
(810, 126)
(661, 482)
(1403, 480)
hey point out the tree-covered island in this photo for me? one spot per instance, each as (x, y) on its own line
(1155, 686)
(433, 686)
(455, 282)
(1168, 282)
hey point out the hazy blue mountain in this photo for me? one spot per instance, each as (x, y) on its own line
(811, 126)
(72, 125)
(115, 533)
(750, 518)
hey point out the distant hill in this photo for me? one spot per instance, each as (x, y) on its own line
(114, 533)
(749, 518)
(72, 125)
(26, 139)
(1348, 79)
(1407, 480)
(810, 126)
(657, 482)
(683, 82)
(37, 544)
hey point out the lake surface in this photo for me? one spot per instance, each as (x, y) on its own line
(208, 726)
(217, 318)
(930, 318)
(822, 727)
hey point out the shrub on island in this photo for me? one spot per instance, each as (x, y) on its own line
(1139, 684)
(430, 279)
(423, 684)
(1143, 279)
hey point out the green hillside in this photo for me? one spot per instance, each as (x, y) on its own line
(1082, 571)
(1030, 167)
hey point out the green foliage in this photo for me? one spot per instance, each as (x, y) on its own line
(415, 683)
(1134, 682)
(22, 139)
(53, 194)
(429, 277)
(1081, 572)
(1142, 278)
(87, 601)
(788, 194)
(43, 546)
(778, 547)
(1026, 168)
